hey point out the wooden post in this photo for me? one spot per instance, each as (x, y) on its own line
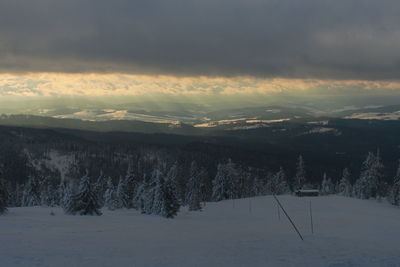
(279, 213)
(312, 224)
(290, 220)
(250, 208)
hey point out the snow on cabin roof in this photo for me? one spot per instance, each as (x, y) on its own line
(308, 190)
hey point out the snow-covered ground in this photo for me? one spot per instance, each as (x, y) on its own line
(246, 232)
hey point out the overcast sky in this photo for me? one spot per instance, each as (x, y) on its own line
(317, 39)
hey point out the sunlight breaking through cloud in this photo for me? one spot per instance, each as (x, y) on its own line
(59, 84)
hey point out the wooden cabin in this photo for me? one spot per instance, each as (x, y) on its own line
(307, 193)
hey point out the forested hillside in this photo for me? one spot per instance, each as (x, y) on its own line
(144, 171)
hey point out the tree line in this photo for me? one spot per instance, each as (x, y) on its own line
(160, 186)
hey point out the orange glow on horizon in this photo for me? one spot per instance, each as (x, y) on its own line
(61, 84)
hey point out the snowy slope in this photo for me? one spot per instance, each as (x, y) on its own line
(246, 232)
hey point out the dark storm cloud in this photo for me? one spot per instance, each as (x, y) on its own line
(339, 39)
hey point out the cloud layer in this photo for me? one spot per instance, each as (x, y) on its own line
(324, 39)
(56, 84)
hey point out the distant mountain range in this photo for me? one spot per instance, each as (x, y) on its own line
(326, 143)
(194, 122)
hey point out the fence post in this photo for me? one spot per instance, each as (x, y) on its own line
(279, 213)
(311, 217)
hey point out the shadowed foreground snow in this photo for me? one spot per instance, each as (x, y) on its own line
(348, 232)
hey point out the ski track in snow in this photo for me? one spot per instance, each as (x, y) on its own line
(347, 232)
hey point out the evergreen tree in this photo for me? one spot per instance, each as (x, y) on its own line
(259, 187)
(225, 182)
(170, 205)
(16, 196)
(157, 193)
(48, 193)
(100, 187)
(31, 194)
(138, 199)
(278, 183)
(300, 177)
(327, 186)
(371, 177)
(65, 194)
(382, 186)
(172, 175)
(130, 186)
(122, 194)
(394, 197)
(85, 201)
(3, 196)
(145, 198)
(220, 184)
(110, 196)
(194, 185)
(345, 188)
(50, 196)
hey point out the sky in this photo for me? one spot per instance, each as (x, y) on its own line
(130, 47)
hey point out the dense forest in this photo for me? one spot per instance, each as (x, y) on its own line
(85, 171)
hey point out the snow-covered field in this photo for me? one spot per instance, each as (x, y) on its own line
(246, 232)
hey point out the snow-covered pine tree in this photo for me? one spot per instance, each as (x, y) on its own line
(171, 204)
(157, 193)
(16, 196)
(259, 187)
(31, 194)
(65, 194)
(3, 196)
(48, 193)
(130, 185)
(345, 188)
(100, 187)
(370, 178)
(138, 198)
(225, 181)
(220, 184)
(109, 197)
(121, 194)
(327, 186)
(194, 185)
(146, 193)
(85, 201)
(394, 196)
(382, 186)
(280, 185)
(51, 196)
(235, 178)
(246, 189)
(172, 175)
(331, 186)
(300, 177)
(44, 192)
(206, 184)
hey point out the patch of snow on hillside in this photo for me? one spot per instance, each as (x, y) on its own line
(268, 121)
(211, 124)
(113, 114)
(322, 130)
(60, 162)
(252, 123)
(375, 116)
(53, 160)
(273, 110)
(325, 122)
